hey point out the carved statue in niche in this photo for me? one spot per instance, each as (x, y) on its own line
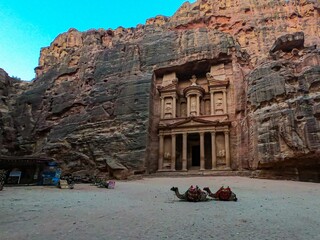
(168, 107)
(221, 150)
(219, 104)
(221, 153)
(193, 80)
(167, 156)
(193, 107)
(168, 110)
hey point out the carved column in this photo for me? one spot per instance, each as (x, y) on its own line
(173, 152)
(188, 106)
(212, 103)
(202, 163)
(203, 107)
(161, 141)
(198, 105)
(162, 108)
(227, 147)
(225, 101)
(213, 151)
(174, 107)
(184, 151)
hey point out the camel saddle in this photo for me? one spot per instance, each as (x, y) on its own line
(194, 194)
(223, 193)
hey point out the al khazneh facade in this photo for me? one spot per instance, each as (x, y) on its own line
(194, 125)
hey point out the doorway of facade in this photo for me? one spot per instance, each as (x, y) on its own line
(196, 156)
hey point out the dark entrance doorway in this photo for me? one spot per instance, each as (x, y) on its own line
(196, 156)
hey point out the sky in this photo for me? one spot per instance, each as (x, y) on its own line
(27, 26)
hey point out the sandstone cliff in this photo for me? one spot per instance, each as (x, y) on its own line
(283, 108)
(9, 89)
(91, 99)
(93, 96)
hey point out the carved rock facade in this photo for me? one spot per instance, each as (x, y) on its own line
(204, 89)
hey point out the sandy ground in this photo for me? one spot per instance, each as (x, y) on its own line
(147, 209)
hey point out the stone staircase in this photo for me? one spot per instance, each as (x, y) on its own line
(194, 173)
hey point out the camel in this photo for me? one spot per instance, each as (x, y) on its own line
(193, 194)
(223, 194)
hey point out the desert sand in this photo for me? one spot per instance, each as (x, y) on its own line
(147, 209)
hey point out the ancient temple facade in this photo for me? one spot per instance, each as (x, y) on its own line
(194, 125)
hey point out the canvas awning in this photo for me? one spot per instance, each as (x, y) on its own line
(23, 160)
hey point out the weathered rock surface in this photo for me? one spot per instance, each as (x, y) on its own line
(9, 89)
(88, 110)
(92, 98)
(283, 96)
(255, 25)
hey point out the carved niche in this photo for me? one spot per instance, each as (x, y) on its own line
(218, 84)
(168, 108)
(219, 103)
(168, 95)
(221, 149)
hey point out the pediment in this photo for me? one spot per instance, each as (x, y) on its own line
(192, 122)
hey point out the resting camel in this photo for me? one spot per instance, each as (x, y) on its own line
(193, 194)
(223, 194)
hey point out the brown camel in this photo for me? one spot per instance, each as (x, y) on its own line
(193, 194)
(223, 194)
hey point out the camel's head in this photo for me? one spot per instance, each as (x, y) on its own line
(174, 189)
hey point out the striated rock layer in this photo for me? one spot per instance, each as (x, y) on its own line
(283, 110)
(9, 89)
(93, 99)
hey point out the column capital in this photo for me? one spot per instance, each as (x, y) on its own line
(226, 131)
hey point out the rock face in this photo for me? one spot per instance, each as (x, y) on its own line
(6, 126)
(94, 104)
(283, 100)
(9, 88)
(93, 98)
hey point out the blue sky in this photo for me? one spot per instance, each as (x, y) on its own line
(27, 26)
